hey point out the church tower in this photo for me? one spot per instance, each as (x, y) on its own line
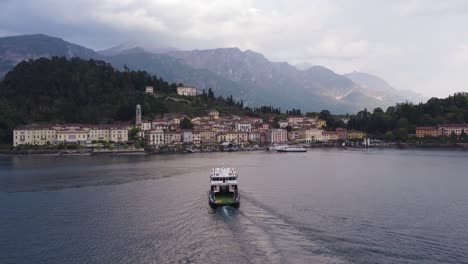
(138, 115)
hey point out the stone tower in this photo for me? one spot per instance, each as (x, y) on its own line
(138, 115)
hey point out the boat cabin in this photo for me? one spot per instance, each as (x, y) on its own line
(223, 189)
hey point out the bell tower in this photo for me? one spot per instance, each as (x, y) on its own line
(138, 115)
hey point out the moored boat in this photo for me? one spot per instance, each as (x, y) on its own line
(276, 147)
(292, 149)
(223, 187)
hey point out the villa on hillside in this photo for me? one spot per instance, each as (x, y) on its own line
(187, 91)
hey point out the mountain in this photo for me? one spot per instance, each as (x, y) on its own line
(18, 48)
(132, 46)
(280, 83)
(247, 75)
(175, 70)
(378, 88)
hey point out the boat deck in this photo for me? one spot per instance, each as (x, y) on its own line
(224, 198)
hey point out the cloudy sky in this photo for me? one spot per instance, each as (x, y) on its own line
(420, 45)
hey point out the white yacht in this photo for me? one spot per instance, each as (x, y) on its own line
(223, 187)
(292, 149)
(276, 147)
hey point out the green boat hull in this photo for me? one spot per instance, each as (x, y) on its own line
(229, 199)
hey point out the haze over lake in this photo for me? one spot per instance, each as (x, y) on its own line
(323, 206)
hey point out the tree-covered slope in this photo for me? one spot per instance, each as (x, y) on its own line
(61, 90)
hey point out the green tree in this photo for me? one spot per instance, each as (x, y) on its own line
(389, 136)
(133, 133)
(186, 124)
(463, 136)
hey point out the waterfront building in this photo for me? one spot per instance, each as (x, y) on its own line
(262, 138)
(457, 129)
(428, 131)
(34, 135)
(187, 91)
(355, 134)
(154, 137)
(196, 138)
(233, 137)
(276, 136)
(254, 137)
(172, 138)
(186, 136)
(107, 133)
(72, 135)
(330, 136)
(118, 134)
(207, 137)
(342, 133)
(309, 135)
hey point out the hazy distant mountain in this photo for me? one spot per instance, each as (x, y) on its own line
(378, 88)
(247, 75)
(18, 48)
(132, 46)
(281, 83)
(175, 70)
(303, 66)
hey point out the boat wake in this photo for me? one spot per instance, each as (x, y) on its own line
(265, 237)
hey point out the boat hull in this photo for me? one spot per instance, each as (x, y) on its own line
(224, 201)
(292, 150)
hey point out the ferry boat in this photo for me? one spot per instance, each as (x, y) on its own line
(223, 187)
(276, 147)
(292, 149)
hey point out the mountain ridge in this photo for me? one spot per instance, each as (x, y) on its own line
(247, 75)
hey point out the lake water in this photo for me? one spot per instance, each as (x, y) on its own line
(323, 206)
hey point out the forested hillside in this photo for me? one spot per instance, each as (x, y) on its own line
(400, 120)
(61, 90)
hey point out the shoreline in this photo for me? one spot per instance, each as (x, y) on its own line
(52, 153)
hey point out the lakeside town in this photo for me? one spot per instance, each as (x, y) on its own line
(212, 131)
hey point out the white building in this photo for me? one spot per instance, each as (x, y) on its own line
(186, 136)
(276, 136)
(214, 114)
(448, 129)
(186, 91)
(145, 125)
(283, 123)
(196, 138)
(154, 137)
(114, 133)
(34, 135)
(149, 89)
(68, 134)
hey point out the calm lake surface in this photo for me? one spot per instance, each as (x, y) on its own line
(323, 206)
